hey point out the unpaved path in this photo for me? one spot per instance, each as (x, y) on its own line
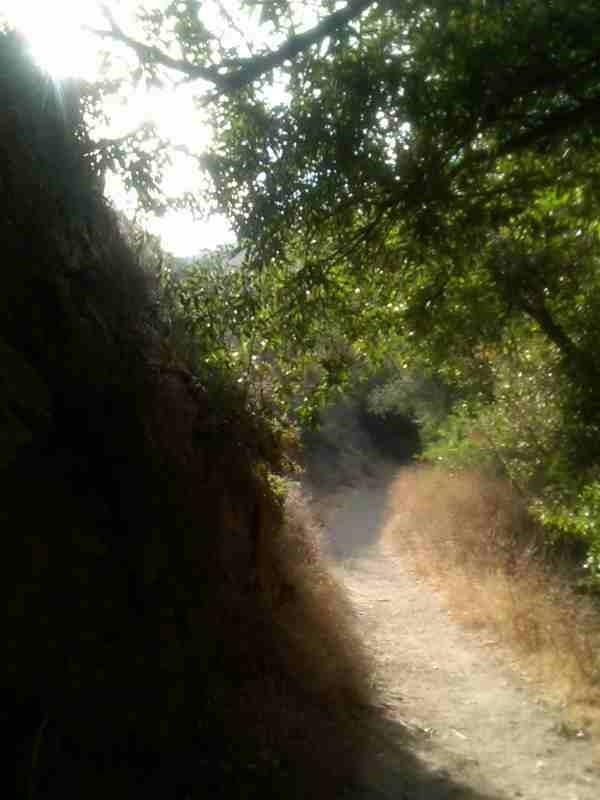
(477, 728)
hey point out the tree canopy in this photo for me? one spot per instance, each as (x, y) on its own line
(421, 172)
(451, 145)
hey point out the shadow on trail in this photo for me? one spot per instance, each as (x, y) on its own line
(395, 772)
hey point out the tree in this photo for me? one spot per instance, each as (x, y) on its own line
(450, 149)
(422, 170)
(415, 128)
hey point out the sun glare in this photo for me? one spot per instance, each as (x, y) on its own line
(182, 235)
(54, 32)
(60, 44)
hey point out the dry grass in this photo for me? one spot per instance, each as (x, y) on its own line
(471, 536)
(316, 613)
(307, 703)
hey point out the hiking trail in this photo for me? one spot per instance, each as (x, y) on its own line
(449, 695)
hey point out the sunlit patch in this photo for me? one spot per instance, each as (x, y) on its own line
(55, 35)
(58, 41)
(177, 117)
(181, 235)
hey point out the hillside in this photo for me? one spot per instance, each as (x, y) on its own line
(169, 630)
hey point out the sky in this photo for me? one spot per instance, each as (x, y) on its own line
(58, 42)
(55, 30)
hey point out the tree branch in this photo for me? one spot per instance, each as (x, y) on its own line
(232, 23)
(252, 68)
(107, 142)
(537, 310)
(246, 70)
(555, 126)
(152, 54)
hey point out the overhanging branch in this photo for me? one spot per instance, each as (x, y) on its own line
(245, 70)
(252, 68)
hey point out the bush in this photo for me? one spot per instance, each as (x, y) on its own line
(529, 433)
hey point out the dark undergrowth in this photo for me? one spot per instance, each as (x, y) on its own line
(170, 630)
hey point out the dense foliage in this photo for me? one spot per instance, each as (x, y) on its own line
(420, 174)
(527, 430)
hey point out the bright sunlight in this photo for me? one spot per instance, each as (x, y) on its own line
(61, 45)
(55, 33)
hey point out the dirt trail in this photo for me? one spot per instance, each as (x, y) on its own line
(476, 727)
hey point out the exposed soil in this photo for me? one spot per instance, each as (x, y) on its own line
(451, 697)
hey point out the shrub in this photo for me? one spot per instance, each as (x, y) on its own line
(528, 432)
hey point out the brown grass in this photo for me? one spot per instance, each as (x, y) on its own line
(471, 536)
(307, 703)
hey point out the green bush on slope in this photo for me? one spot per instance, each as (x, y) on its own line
(528, 432)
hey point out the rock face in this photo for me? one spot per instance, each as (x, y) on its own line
(144, 561)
